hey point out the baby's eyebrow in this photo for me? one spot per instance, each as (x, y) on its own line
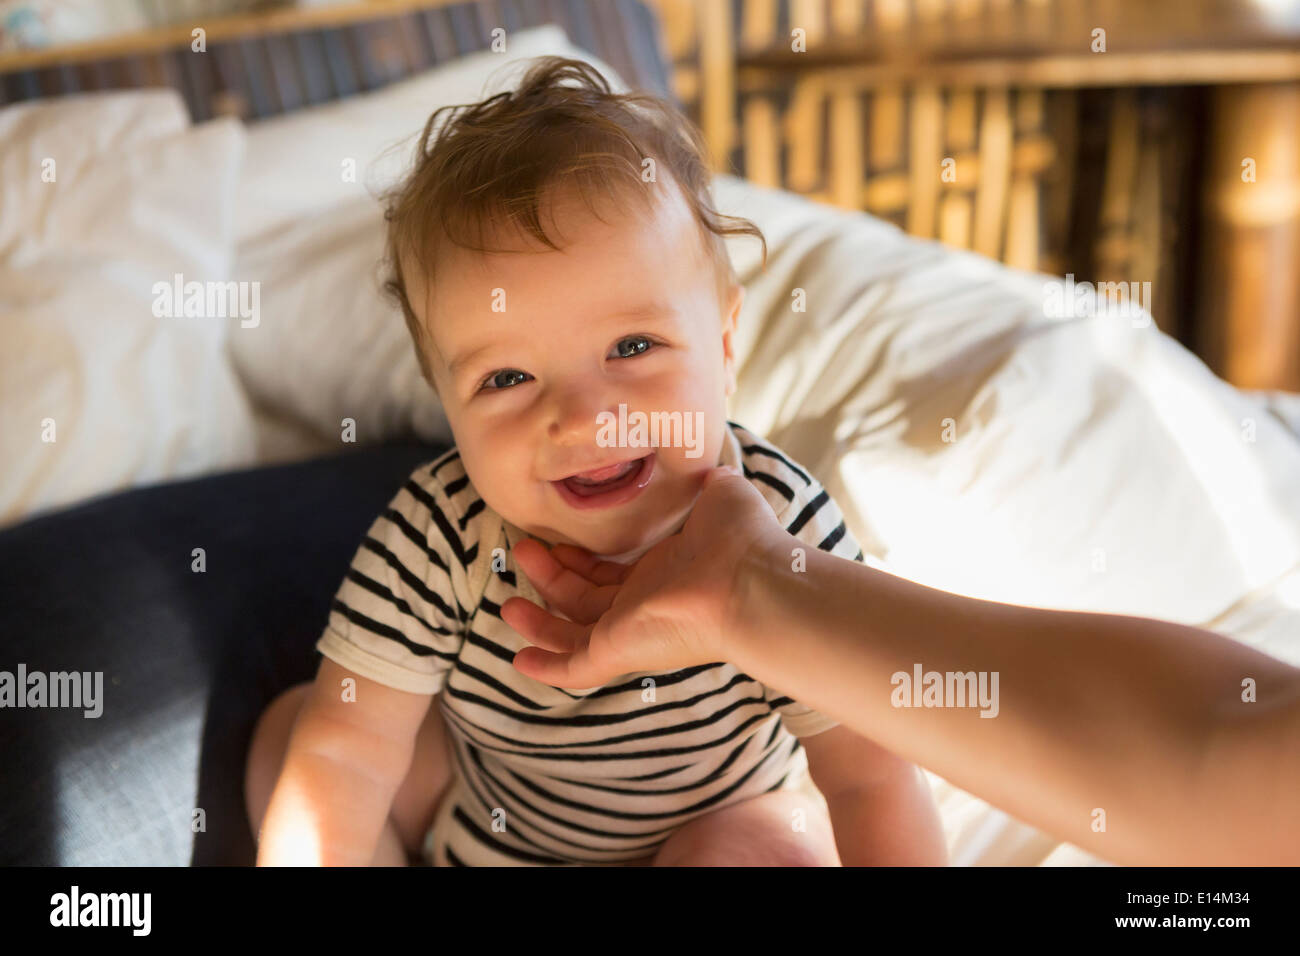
(462, 360)
(649, 310)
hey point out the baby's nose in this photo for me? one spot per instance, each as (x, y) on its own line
(574, 415)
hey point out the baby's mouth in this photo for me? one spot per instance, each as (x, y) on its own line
(600, 480)
(607, 486)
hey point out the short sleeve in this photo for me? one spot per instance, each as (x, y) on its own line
(814, 518)
(396, 618)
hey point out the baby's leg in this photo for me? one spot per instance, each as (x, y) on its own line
(414, 804)
(756, 832)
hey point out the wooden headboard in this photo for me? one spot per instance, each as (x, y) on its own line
(278, 60)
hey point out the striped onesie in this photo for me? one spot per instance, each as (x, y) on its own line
(546, 776)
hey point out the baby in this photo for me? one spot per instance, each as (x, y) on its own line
(585, 381)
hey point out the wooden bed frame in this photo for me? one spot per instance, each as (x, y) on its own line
(280, 59)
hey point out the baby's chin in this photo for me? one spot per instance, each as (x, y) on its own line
(614, 535)
(618, 540)
(623, 545)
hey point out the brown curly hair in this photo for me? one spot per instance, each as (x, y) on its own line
(492, 162)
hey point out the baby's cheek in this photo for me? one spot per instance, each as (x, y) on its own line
(510, 485)
(492, 470)
(518, 501)
(692, 452)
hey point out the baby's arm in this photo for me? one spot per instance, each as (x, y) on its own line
(344, 763)
(881, 809)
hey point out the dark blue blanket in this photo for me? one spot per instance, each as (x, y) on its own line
(188, 659)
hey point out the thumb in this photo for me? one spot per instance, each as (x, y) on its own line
(717, 474)
(728, 498)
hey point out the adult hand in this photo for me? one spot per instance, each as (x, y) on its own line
(673, 608)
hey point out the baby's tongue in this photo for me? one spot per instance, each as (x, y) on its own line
(601, 474)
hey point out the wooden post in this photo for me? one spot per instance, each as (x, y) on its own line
(1250, 293)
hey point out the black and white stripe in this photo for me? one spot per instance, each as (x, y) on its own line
(554, 776)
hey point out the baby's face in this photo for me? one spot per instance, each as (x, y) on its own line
(530, 348)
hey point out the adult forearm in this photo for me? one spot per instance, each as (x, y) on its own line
(1140, 719)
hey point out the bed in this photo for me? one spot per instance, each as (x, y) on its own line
(976, 442)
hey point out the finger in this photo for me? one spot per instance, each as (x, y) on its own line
(545, 630)
(560, 670)
(589, 566)
(566, 590)
(560, 587)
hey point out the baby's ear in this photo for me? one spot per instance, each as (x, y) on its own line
(730, 318)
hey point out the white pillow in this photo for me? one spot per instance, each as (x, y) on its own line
(127, 398)
(329, 345)
(305, 162)
(1096, 465)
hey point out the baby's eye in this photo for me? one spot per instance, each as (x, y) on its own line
(632, 345)
(505, 378)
